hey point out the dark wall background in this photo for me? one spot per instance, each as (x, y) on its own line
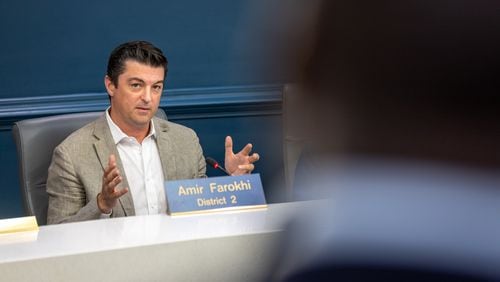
(61, 47)
(53, 56)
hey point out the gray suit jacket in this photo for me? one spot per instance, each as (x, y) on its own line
(75, 174)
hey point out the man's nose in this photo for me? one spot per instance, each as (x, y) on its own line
(146, 95)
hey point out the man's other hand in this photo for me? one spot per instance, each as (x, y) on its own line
(242, 162)
(107, 199)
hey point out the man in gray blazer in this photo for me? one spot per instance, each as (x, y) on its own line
(116, 165)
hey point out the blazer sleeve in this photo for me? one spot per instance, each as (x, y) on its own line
(67, 195)
(202, 166)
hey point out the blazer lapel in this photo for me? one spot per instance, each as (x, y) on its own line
(104, 147)
(166, 149)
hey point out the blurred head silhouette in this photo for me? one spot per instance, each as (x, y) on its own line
(412, 79)
(401, 99)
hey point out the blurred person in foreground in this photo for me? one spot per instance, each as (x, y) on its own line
(116, 166)
(401, 111)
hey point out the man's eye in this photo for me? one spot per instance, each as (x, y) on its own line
(157, 87)
(135, 85)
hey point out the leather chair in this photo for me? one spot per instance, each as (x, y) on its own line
(36, 140)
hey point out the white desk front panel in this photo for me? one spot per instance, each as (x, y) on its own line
(223, 246)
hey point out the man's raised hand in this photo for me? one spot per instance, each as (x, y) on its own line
(107, 199)
(242, 162)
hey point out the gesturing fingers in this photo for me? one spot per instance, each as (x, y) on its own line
(242, 162)
(119, 192)
(246, 168)
(109, 195)
(112, 183)
(246, 150)
(253, 158)
(111, 179)
(111, 165)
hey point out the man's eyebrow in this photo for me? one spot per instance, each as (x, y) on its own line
(135, 78)
(142, 81)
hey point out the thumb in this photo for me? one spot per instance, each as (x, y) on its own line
(229, 145)
(111, 160)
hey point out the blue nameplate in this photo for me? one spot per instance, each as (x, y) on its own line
(213, 194)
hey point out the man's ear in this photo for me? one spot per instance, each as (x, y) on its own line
(110, 86)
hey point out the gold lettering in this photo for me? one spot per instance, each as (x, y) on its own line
(202, 202)
(182, 192)
(194, 190)
(213, 186)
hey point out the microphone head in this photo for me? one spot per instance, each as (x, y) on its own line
(210, 161)
(213, 163)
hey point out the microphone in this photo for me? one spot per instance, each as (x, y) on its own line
(213, 163)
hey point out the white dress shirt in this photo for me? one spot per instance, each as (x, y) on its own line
(143, 169)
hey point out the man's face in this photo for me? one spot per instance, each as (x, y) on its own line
(135, 99)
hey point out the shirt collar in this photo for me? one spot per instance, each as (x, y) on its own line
(119, 135)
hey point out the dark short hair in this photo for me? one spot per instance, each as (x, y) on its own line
(139, 51)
